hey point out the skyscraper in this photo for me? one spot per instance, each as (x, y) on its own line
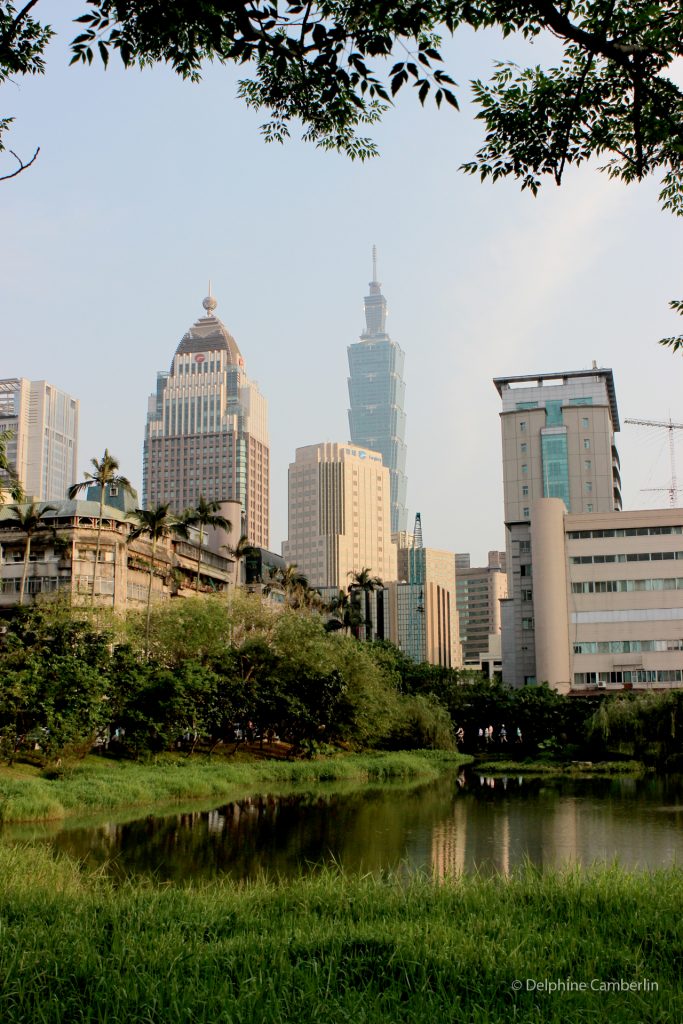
(377, 419)
(558, 442)
(207, 429)
(44, 424)
(339, 515)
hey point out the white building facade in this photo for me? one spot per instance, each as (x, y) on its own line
(44, 423)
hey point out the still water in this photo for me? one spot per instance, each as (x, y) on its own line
(462, 822)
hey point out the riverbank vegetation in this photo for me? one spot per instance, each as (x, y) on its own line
(332, 948)
(208, 676)
(98, 784)
(529, 766)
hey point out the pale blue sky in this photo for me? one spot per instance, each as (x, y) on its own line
(147, 186)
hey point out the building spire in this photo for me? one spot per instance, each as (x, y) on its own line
(375, 303)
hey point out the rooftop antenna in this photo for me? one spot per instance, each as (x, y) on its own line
(374, 263)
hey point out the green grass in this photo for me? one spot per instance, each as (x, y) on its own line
(531, 767)
(333, 948)
(97, 784)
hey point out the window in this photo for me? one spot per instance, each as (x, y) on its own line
(526, 594)
(589, 487)
(589, 508)
(525, 513)
(525, 468)
(584, 423)
(586, 443)
(588, 465)
(522, 426)
(525, 490)
(523, 448)
(527, 623)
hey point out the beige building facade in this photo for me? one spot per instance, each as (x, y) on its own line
(608, 598)
(62, 559)
(480, 589)
(207, 430)
(557, 434)
(44, 448)
(339, 515)
(423, 617)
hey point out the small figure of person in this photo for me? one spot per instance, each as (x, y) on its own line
(519, 735)
(503, 735)
(460, 735)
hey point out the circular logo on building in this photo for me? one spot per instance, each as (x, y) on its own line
(200, 358)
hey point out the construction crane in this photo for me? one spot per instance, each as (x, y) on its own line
(670, 426)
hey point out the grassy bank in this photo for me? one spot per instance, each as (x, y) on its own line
(335, 948)
(97, 784)
(531, 767)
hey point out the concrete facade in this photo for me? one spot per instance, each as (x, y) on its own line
(558, 442)
(44, 449)
(609, 598)
(62, 559)
(207, 430)
(339, 515)
(480, 589)
(423, 617)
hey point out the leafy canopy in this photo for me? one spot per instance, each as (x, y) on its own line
(334, 67)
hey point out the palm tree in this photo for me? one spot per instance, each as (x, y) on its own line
(239, 552)
(155, 523)
(16, 491)
(294, 584)
(363, 583)
(31, 519)
(345, 614)
(105, 474)
(205, 513)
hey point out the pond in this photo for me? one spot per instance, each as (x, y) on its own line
(462, 822)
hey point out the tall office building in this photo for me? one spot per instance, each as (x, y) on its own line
(423, 618)
(339, 515)
(207, 429)
(558, 442)
(480, 590)
(44, 424)
(377, 419)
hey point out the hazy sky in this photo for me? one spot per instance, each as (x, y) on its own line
(146, 186)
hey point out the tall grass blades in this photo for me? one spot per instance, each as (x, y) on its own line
(335, 948)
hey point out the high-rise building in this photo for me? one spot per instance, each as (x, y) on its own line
(558, 442)
(207, 430)
(608, 598)
(480, 590)
(423, 618)
(44, 424)
(377, 419)
(339, 515)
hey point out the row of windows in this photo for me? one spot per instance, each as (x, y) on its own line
(626, 586)
(668, 675)
(639, 556)
(639, 531)
(626, 646)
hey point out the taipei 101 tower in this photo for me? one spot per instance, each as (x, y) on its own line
(377, 418)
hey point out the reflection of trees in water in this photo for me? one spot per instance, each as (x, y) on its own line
(457, 823)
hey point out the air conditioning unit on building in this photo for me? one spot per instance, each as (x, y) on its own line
(602, 685)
